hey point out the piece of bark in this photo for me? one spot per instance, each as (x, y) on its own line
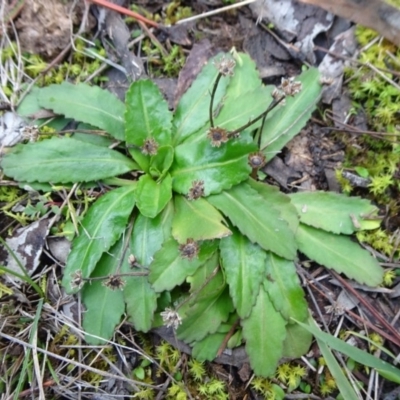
(374, 14)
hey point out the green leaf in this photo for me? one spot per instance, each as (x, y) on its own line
(277, 200)
(284, 289)
(162, 161)
(151, 197)
(258, 221)
(339, 253)
(286, 121)
(343, 384)
(147, 114)
(142, 160)
(297, 341)
(244, 266)
(218, 167)
(170, 269)
(244, 108)
(264, 331)
(385, 369)
(141, 302)
(207, 348)
(101, 227)
(104, 306)
(86, 103)
(149, 234)
(192, 111)
(332, 212)
(205, 220)
(64, 160)
(205, 275)
(205, 316)
(93, 138)
(245, 78)
(237, 112)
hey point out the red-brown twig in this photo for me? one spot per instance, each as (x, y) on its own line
(125, 11)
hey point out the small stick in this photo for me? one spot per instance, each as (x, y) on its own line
(125, 11)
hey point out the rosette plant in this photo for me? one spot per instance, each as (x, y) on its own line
(185, 234)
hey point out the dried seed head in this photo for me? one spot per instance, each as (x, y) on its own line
(150, 147)
(77, 280)
(196, 191)
(189, 250)
(278, 94)
(290, 87)
(217, 136)
(132, 260)
(30, 132)
(171, 318)
(256, 160)
(114, 282)
(225, 66)
(326, 80)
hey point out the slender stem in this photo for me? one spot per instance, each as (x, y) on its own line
(262, 115)
(214, 89)
(126, 274)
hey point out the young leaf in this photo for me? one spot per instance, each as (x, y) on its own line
(284, 289)
(104, 306)
(244, 266)
(205, 220)
(169, 268)
(286, 121)
(340, 254)
(205, 316)
(264, 331)
(149, 234)
(64, 160)
(277, 200)
(151, 197)
(218, 167)
(258, 221)
(161, 162)
(192, 111)
(147, 114)
(101, 227)
(86, 103)
(333, 212)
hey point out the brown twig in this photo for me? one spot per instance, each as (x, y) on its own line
(125, 11)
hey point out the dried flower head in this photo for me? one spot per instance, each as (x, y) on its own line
(196, 191)
(189, 250)
(217, 136)
(256, 160)
(326, 80)
(225, 66)
(132, 260)
(171, 318)
(150, 147)
(30, 132)
(77, 280)
(114, 282)
(290, 87)
(278, 94)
